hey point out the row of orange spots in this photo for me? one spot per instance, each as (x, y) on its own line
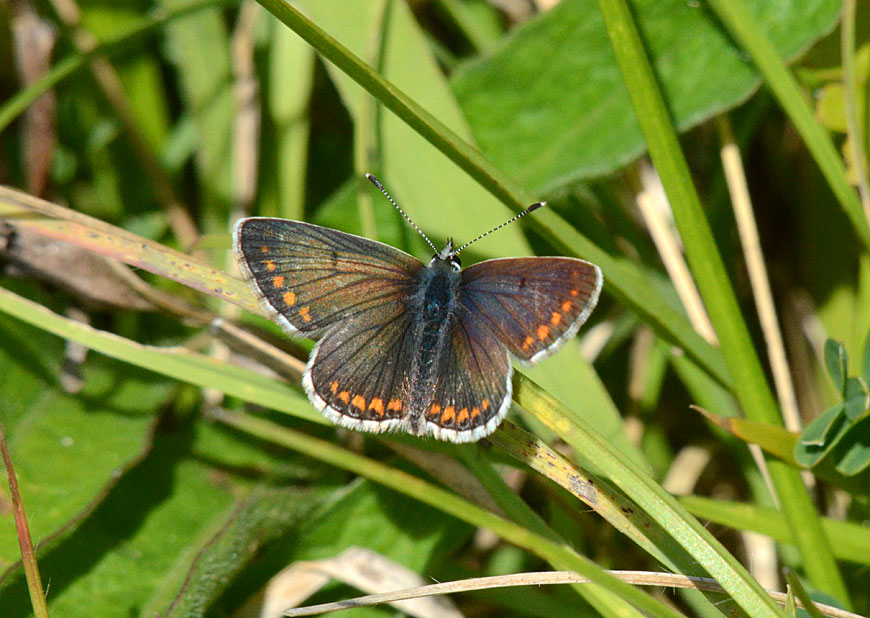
(450, 414)
(358, 401)
(303, 313)
(544, 330)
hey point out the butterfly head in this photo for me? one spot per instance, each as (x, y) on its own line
(449, 254)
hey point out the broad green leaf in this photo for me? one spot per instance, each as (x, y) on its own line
(549, 107)
(857, 399)
(67, 449)
(856, 458)
(837, 363)
(377, 518)
(227, 549)
(818, 432)
(112, 563)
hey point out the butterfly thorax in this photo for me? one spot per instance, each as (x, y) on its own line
(435, 307)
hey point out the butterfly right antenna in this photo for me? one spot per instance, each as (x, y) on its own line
(378, 184)
(531, 208)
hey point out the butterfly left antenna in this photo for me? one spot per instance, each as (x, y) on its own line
(531, 208)
(378, 184)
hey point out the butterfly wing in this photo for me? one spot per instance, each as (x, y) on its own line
(473, 392)
(532, 305)
(357, 375)
(311, 277)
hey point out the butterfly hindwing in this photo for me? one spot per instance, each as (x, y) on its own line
(357, 374)
(473, 392)
(311, 277)
(531, 304)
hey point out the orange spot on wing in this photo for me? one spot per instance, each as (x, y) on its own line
(475, 412)
(333, 387)
(270, 265)
(304, 314)
(344, 396)
(264, 249)
(575, 292)
(394, 404)
(435, 409)
(462, 416)
(449, 415)
(289, 298)
(543, 331)
(484, 405)
(360, 402)
(555, 318)
(377, 404)
(277, 281)
(566, 306)
(528, 342)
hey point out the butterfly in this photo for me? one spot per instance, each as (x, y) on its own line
(423, 348)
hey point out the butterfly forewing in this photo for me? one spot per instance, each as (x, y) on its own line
(311, 277)
(531, 304)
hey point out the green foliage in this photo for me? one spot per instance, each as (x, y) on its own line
(839, 434)
(180, 475)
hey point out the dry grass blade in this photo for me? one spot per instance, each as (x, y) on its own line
(637, 578)
(94, 235)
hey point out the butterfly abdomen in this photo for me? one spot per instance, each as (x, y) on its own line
(435, 307)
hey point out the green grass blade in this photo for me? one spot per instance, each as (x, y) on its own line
(712, 279)
(94, 235)
(558, 555)
(850, 541)
(606, 603)
(649, 496)
(738, 20)
(177, 363)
